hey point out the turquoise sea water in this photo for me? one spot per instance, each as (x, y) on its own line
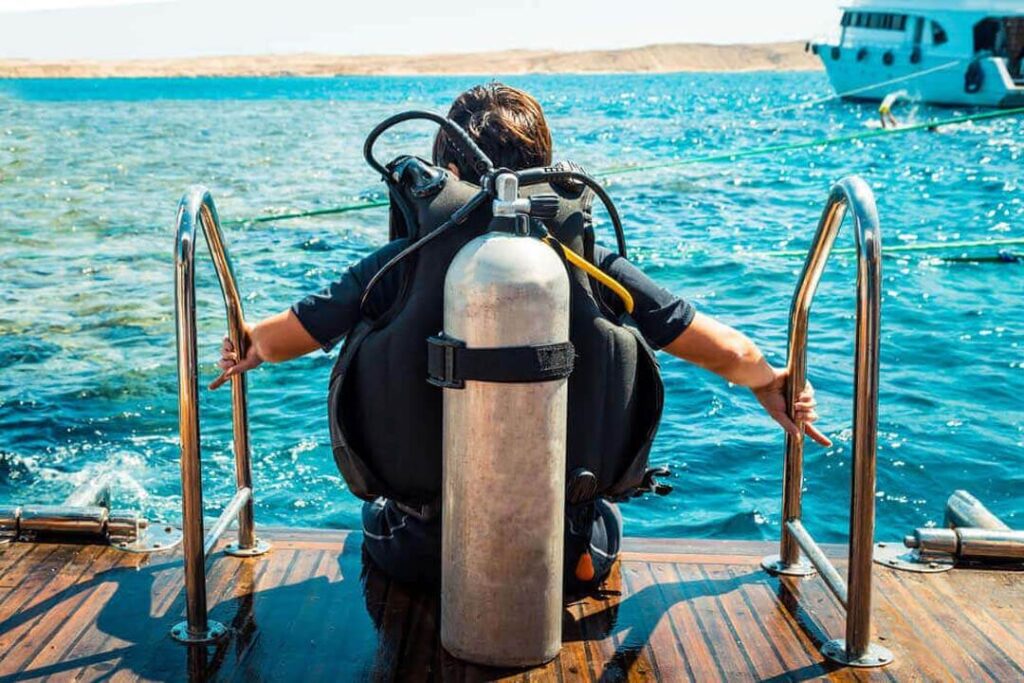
(91, 172)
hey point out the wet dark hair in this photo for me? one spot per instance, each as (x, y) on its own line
(507, 124)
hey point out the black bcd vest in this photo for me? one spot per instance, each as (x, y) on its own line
(385, 418)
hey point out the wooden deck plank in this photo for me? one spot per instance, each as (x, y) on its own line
(977, 635)
(692, 639)
(999, 617)
(798, 654)
(702, 594)
(931, 632)
(60, 598)
(33, 570)
(307, 613)
(894, 626)
(823, 618)
(311, 609)
(597, 618)
(59, 616)
(58, 644)
(10, 576)
(651, 634)
(761, 652)
(667, 652)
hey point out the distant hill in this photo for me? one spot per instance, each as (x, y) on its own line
(650, 59)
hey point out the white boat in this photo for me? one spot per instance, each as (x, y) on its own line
(951, 52)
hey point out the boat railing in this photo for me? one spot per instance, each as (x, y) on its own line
(87, 517)
(197, 211)
(854, 593)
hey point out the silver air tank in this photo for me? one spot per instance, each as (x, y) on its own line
(504, 450)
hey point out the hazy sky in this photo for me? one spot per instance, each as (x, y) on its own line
(61, 29)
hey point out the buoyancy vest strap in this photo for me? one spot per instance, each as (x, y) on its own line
(594, 272)
(450, 363)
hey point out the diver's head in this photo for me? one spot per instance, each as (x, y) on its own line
(505, 122)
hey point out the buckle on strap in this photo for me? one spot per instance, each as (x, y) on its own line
(441, 361)
(450, 363)
(651, 484)
(425, 512)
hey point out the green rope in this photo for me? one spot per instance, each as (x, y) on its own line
(638, 168)
(904, 248)
(822, 142)
(271, 218)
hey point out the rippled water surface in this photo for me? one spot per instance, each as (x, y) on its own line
(91, 172)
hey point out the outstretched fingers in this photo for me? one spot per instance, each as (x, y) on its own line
(817, 436)
(224, 377)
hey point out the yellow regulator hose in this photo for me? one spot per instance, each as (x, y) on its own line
(594, 272)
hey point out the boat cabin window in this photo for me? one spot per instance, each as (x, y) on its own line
(987, 35)
(1000, 36)
(939, 35)
(879, 21)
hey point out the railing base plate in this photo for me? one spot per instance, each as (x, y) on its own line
(260, 548)
(875, 656)
(214, 632)
(773, 564)
(897, 556)
(157, 538)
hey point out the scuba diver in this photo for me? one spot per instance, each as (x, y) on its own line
(385, 390)
(885, 109)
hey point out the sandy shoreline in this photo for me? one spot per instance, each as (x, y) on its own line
(650, 59)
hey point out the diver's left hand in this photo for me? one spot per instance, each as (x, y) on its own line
(772, 397)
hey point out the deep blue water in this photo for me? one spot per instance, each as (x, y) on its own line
(91, 172)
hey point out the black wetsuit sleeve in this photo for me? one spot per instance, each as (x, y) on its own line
(660, 315)
(332, 313)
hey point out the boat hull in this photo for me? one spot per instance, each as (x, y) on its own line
(862, 74)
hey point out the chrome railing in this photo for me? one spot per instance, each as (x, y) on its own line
(854, 593)
(86, 517)
(196, 211)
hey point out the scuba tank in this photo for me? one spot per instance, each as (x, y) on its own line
(506, 299)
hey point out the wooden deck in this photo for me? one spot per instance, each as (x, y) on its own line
(672, 610)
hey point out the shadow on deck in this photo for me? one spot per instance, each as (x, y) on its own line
(672, 610)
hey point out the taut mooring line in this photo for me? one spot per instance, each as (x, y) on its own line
(727, 156)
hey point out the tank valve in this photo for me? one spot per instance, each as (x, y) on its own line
(544, 206)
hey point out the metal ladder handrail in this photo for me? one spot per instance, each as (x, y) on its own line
(197, 211)
(854, 594)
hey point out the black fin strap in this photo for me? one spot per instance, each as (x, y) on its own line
(649, 484)
(450, 363)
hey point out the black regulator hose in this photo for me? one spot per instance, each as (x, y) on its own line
(534, 176)
(458, 218)
(464, 144)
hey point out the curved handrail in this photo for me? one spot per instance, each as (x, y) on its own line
(852, 194)
(196, 212)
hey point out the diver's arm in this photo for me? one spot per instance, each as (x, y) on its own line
(722, 350)
(318, 321)
(281, 337)
(731, 354)
(276, 339)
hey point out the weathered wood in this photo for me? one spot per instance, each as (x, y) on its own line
(311, 610)
(761, 652)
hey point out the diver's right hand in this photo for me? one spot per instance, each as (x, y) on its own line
(231, 364)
